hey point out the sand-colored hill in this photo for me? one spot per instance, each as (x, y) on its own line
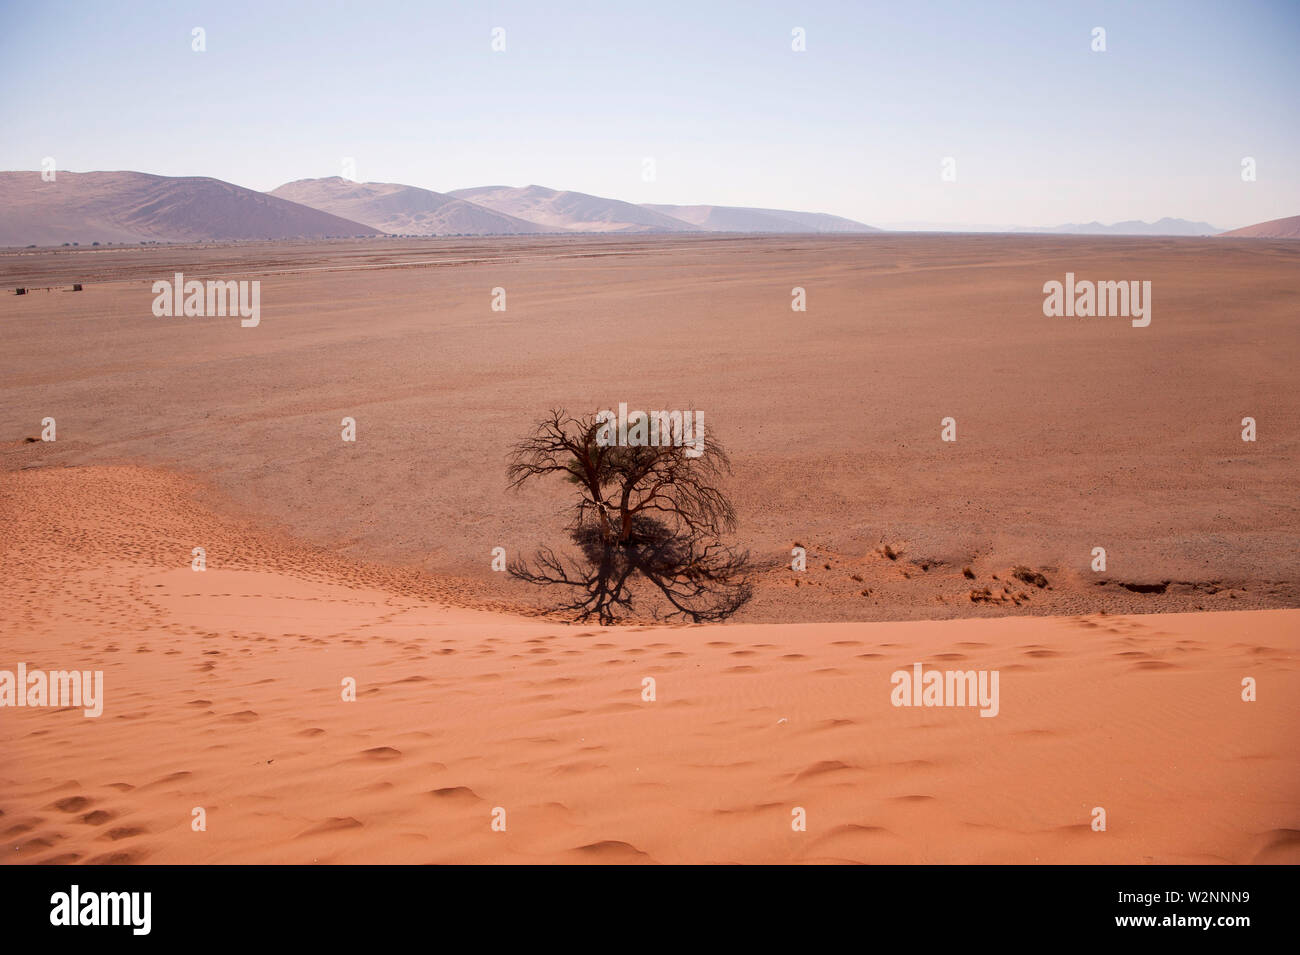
(1288, 228)
(133, 207)
(223, 693)
(401, 210)
(744, 219)
(559, 211)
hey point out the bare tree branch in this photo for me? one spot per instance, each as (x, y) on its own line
(648, 520)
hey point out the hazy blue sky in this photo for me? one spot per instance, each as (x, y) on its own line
(1043, 130)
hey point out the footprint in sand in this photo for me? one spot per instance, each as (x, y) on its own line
(836, 722)
(456, 793)
(1280, 847)
(613, 850)
(821, 769)
(27, 825)
(124, 832)
(332, 824)
(855, 828)
(1074, 829)
(381, 753)
(71, 804)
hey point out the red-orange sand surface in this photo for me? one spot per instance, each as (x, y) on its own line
(222, 691)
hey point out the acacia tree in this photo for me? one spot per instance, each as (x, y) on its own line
(647, 519)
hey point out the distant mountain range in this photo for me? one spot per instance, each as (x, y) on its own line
(513, 210)
(557, 211)
(402, 210)
(744, 219)
(1164, 226)
(131, 207)
(1130, 227)
(136, 207)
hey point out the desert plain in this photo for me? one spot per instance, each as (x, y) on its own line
(371, 560)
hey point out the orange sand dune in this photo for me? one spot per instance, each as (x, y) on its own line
(1287, 228)
(131, 207)
(223, 692)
